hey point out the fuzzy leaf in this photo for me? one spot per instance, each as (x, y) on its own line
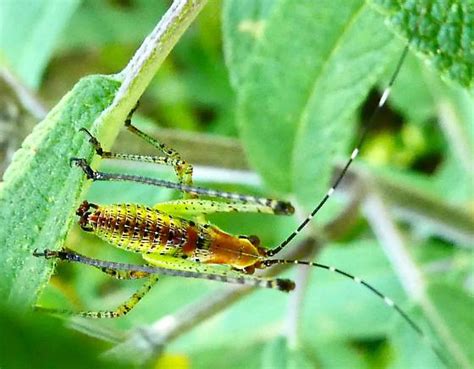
(41, 190)
(441, 31)
(243, 27)
(304, 79)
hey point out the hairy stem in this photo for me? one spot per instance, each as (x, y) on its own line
(142, 67)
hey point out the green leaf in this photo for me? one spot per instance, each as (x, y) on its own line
(102, 23)
(339, 354)
(451, 105)
(413, 88)
(238, 354)
(41, 190)
(244, 24)
(454, 308)
(453, 330)
(441, 31)
(29, 32)
(452, 181)
(299, 360)
(275, 354)
(42, 342)
(312, 67)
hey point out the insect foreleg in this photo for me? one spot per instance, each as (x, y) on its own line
(183, 170)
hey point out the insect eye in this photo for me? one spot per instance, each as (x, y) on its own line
(254, 240)
(83, 208)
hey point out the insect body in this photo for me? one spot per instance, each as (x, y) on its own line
(174, 239)
(173, 236)
(153, 232)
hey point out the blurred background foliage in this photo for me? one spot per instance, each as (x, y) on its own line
(200, 103)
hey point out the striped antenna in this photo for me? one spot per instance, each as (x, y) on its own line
(354, 154)
(388, 301)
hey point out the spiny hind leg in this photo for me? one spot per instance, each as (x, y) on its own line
(169, 265)
(190, 208)
(120, 311)
(278, 207)
(124, 307)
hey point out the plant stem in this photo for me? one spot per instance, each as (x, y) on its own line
(391, 240)
(410, 203)
(142, 67)
(408, 272)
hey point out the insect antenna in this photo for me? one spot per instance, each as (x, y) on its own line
(388, 301)
(355, 152)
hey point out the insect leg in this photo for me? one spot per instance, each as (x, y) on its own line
(124, 274)
(183, 170)
(195, 207)
(171, 157)
(278, 207)
(214, 272)
(121, 310)
(167, 265)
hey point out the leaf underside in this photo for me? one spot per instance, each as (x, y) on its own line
(441, 31)
(48, 189)
(303, 84)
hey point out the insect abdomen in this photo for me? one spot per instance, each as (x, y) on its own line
(140, 229)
